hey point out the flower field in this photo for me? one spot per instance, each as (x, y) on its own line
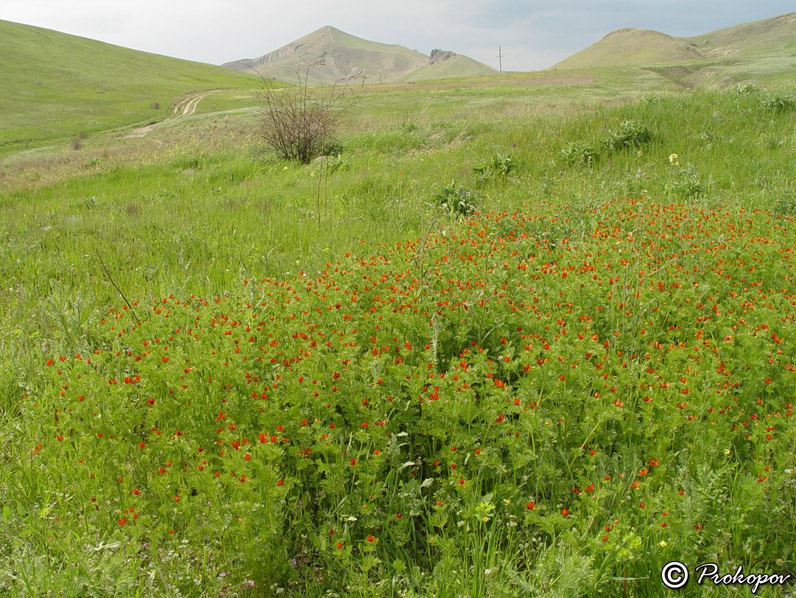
(557, 399)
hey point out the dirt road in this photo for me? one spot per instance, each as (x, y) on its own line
(183, 108)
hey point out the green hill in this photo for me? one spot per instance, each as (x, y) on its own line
(767, 36)
(632, 47)
(766, 47)
(333, 55)
(56, 85)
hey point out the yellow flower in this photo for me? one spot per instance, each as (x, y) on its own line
(673, 159)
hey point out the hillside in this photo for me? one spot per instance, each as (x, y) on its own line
(632, 47)
(774, 37)
(57, 85)
(336, 55)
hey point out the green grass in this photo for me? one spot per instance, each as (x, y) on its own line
(758, 50)
(581, 288)
(47, 97)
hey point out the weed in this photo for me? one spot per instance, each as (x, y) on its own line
(630, 134)
(779, 104)
(578, 154)
(500, 167)
(457, 202)
(746, 88)
(685, 183)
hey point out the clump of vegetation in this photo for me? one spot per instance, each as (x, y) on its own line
(77, 140)
(629, 135)
(577, 154)
(457, 202)
(779, 104)
(299, 124)
(746, 88)
(685, 183)
(499, 167)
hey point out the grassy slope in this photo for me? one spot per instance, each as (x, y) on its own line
(458, 66)
(631, 47)
(767, 36)
(762, 50)
(57, 85)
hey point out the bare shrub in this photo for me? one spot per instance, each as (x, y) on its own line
(299, 124)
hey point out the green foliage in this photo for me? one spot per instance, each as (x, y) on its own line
(578, 154)
(456, 202)
(595, 363)
(499, 168)
(779, 104)
(630, 134)
(685, 183)
(746, 89)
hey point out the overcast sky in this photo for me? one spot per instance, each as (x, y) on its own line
(533, 34)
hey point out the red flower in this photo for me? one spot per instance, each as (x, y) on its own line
(530, 506)
(371, 539)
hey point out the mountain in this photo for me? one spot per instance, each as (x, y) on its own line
(328, 56)
(644, 47)
(56, 85)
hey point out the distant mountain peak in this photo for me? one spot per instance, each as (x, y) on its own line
(344, 55)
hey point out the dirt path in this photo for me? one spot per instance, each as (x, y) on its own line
(183, 108)
(188, 106)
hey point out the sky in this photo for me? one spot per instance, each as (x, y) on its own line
(532, 35)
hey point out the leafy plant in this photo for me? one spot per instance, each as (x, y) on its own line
(746, 88)
(779, 104)
(459, 202)
(629, 135)
(576, 154)
(686, 183)
(500, 167)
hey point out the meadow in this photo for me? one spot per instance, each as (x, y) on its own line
(525, 336)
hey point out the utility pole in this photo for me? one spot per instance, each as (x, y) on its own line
(500, 58)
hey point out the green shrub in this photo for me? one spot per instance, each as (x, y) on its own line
(500, 167)
(746, 88)
(576, 154)
(629, 135)
(686, 183)
(779, 104)
(458, 202)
